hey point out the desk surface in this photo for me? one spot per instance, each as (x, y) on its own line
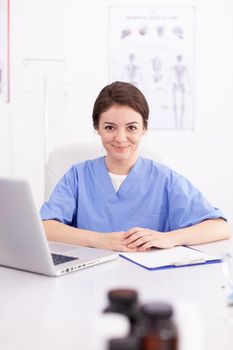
(39, 312)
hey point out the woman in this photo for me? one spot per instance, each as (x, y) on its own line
(124, 202)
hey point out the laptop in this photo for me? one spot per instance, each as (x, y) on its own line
(23, 243)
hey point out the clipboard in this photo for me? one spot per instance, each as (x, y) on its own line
(159, 259)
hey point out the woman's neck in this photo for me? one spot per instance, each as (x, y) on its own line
(119, 167)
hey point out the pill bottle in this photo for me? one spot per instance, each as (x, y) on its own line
(124, 301)
(156, 329)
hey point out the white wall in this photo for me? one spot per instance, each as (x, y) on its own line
(76, 32)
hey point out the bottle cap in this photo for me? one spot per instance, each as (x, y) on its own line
(157, 311)
(123, 297)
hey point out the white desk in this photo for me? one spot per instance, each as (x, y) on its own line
(39, 312)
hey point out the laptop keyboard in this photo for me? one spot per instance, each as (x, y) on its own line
(61, 259)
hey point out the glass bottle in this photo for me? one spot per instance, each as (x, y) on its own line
(157, 330)
(124, 301)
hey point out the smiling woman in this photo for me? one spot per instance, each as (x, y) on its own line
(120, 129)
(125, 202)
(120, 115)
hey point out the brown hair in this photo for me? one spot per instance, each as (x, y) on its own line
(123, 94)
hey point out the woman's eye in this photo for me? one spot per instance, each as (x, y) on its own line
(132, 128)
(108, 127)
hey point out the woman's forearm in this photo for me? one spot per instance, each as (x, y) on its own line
(58, 232)
(207, 231)
(204, 232)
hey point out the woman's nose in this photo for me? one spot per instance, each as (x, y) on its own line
(120, 135)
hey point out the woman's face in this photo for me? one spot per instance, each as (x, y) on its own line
(121, 129)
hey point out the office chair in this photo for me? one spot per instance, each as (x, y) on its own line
(63, 157)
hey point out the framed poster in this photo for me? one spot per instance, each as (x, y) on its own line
(5, 50)
(154, 49)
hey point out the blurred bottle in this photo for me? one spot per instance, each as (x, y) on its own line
(129, 343)
(125, 301)
(156, 329)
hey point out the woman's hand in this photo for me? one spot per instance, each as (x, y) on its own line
(143, 239)
(115, 241)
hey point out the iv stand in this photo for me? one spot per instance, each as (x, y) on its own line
(45, 62)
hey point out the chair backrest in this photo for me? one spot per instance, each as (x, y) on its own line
(63, 157)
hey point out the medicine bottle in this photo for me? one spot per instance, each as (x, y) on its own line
(157, 330)
(129, 343)
(124, 301)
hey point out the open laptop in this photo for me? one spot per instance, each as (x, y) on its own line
(23, 243)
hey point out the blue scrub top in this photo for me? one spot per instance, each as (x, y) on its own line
(152, 196)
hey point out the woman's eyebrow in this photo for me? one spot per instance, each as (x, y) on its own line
(125, 124)
(132, 123)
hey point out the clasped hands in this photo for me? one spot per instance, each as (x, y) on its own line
(138, 239)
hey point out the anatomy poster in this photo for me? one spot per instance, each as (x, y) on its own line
(4, 50)
(154, 49)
